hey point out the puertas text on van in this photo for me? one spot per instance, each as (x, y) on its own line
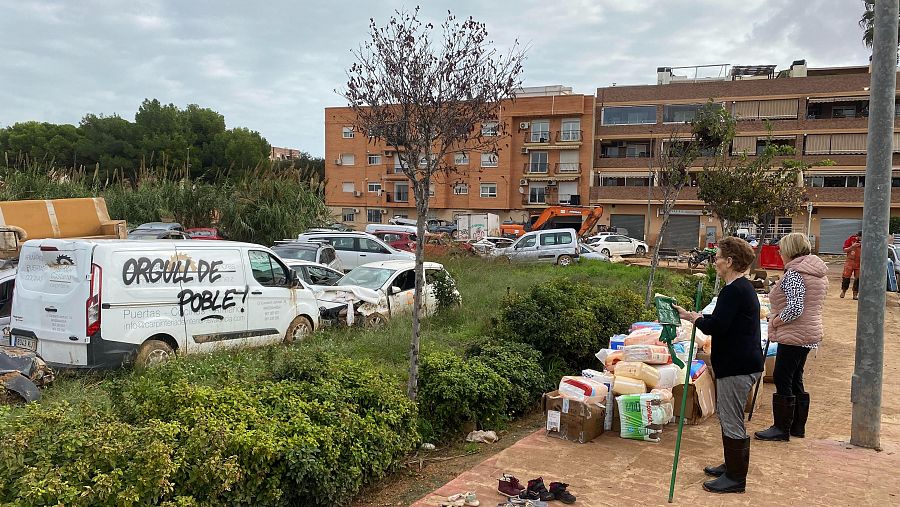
(207, 300)
(164, 270)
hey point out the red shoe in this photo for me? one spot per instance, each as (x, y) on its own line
(509, 486)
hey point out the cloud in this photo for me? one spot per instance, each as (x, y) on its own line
(273, 66)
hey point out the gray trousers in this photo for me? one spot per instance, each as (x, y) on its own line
(731, 397)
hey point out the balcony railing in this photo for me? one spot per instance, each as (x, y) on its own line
(537, 168)
(542, 136)
(568, 136)
(568, 168)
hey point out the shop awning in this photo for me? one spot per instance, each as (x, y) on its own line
(818, 100)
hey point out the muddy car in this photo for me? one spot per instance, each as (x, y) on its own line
(377, 292)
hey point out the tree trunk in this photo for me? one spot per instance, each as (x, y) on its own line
(762, 238)
(668, 204)
(412, 387)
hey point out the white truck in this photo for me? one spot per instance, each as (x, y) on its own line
(477, 226)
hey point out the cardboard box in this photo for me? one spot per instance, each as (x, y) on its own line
(572, 420)
(770, 370)
(701, 399)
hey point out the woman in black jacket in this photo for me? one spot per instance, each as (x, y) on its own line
(736, 360)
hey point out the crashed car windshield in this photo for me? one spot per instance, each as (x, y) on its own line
(293, 252)
(370, 278)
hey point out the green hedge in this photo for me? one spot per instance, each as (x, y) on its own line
(313, 432)
(517, 362)
(568, 320)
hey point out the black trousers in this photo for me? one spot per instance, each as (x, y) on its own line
(788, 374)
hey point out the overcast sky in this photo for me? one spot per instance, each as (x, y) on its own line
(273, 65)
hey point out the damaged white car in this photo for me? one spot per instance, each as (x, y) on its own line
(377, 292)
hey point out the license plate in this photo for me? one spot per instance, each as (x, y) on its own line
(25, 342)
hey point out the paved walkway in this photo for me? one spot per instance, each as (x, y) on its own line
(821, 469)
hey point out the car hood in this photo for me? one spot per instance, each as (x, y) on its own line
(346, 293)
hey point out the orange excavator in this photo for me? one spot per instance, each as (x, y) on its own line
(550, 217)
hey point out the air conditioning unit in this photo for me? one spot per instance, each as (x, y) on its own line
(523, 182)
(338, 161)
(524, 151)
(357, 194)
(551, 183)
(356, 210)
(524, 125)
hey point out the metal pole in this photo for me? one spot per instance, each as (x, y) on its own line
(649, 190)
(865, 388)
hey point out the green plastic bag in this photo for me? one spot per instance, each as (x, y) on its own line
(668, 317)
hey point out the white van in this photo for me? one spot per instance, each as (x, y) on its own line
(103, 303)
(559, 246)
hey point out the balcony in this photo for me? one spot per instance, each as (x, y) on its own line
(537, 168)
(537, 137)
(568, 168)
(569, 136)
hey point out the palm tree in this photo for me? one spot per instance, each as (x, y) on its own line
(867, 23)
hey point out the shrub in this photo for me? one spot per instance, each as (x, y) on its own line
(310, 431)
(454, 392)
(517, 362)
(571, 321)
(445, 290)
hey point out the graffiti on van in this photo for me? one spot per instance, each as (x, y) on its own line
(207, 300)
(136, 270)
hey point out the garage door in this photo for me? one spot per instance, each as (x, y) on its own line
(633, 223)
(834, 231)
(683, 233)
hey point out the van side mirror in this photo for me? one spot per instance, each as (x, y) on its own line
(394, 290)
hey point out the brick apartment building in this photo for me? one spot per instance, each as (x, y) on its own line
(569, 148)
(822, 113)
(543, 159)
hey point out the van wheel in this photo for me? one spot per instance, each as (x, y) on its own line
(375, 320)
(153, 353)
(564, 260)
(299, 329)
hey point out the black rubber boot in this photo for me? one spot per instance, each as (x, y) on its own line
(783, 413)
(801, 413)
(715, 471)
(737, 461)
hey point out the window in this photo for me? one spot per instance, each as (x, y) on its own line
(538, 162)
(488, 190)
(556, 238)
(431, 190)
(843, 111)
(343, 243)
(461, 189)
(759, 109)
(537, 194)
(348, 187)
(373, 216)
(461, 158)
(268, 271)
(348, 159)
(636, 181)
(348, 214)
(568, 162)
(571, 130)
(371, 246)
(347, 133)
(540, 131)
(321, 276)
(489, 160)
(566, 190)
(405, 281)
(628, 115)
(490, 128)
(680, 113)
(612, 181)
(401, 192)
(623, 149)
(374, 188)
(327, 255)
(527, 242)
(374, 160)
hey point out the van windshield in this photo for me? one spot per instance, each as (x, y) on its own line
(370, 278)
(301, 254)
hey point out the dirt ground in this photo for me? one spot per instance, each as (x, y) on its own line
(821, 469)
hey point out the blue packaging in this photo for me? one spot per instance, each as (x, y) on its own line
(617, 342)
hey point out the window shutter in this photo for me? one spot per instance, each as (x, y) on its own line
(743, 145)
(818, 144)
(747, 109)
(781, 108)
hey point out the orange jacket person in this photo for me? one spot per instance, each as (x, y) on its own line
(851, 265)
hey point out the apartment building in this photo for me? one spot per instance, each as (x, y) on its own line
(543, 158)
(821, 112)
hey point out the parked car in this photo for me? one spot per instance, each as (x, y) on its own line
(615, 244)
(208, 233)
(485, 245)
(7, 286)
(146, 234)
(313, 273)
(379, 291)
(319, 252)
(357, 248)
(559, 246)
(400, 240)
(436, 226)
(587, 252)
(104, 303)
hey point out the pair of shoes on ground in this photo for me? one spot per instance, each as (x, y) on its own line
(467, 499)
(510, 486)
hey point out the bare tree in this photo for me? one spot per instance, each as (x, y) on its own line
(711, 131)
(428, 98)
